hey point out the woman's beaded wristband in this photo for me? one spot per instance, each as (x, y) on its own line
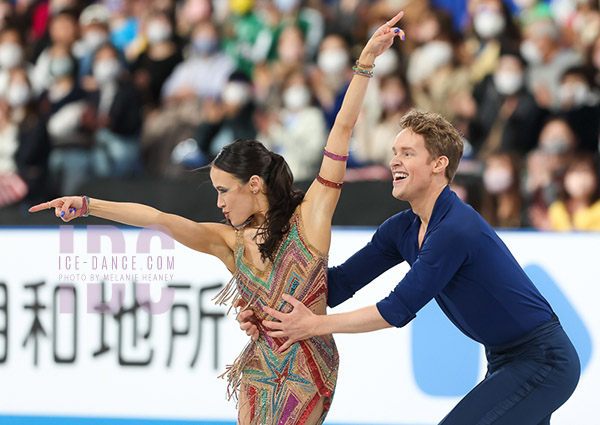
(335, 156)
(329, 183)
(85, 207)
(362, 72)
(364, 66)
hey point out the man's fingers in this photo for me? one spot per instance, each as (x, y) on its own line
(285, 346)
(293, 301)
(277, 334)
(276, 314)
(273, 325)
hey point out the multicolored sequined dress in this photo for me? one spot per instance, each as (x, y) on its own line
(274, 388)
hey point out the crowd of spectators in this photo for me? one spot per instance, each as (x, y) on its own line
(154, 88)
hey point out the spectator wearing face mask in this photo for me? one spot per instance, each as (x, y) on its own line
(94, 30)
(63, 31)
(63, 106)
(546, 165)
(206, 60)
(230, 118)
(501, 198)
(507, 117)
(547, 60)
(439, 82)
(298, 130)
(12, 55)
(114, 118)
(153, 66)
(581, 107)
(578, 206)
(291, 57)
(492, 30)
(330, 78)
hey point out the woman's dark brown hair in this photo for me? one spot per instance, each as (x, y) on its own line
(246, 158)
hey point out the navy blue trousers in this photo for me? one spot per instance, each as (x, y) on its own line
(526, 381)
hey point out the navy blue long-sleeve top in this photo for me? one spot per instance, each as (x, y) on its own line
(462, 263)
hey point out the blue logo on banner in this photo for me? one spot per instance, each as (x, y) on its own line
(446, 363)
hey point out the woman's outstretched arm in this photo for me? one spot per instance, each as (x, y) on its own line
(212, 238)
(320, 199)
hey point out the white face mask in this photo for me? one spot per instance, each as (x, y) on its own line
(579, 184)
(18, 94)
(555, 145)
(106, 70)
(158, 32)
(204, 46)
(427, 59)
(236, 93)
(387, 62)
(497, 180)
(296, 97)
(574, 94)
(531, 53)
(488, 24)
(11, 55)
(508, 82)
(94, 39)
(333, 61)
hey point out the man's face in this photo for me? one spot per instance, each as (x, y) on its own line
(411, 167)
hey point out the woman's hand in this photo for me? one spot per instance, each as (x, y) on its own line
(67, 207)
(382, 39)
(247, 320)
(300, 324)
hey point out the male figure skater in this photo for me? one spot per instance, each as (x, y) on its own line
(458, 259)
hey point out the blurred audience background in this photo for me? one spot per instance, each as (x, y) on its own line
(152, 89)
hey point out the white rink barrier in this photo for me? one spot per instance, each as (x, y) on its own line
(76, 347)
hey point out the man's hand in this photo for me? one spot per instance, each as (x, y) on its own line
(299, 324)
(247, 321)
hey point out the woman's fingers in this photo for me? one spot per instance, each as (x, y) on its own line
(47, 205)
(67, 210)
(395, 19)
(245, 316)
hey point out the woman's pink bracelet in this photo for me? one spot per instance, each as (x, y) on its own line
(335, 156)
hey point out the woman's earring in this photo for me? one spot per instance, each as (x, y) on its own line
(254, 191)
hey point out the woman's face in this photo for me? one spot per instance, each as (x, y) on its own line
(234, 198)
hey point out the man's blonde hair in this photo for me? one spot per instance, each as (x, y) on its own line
(441, 138)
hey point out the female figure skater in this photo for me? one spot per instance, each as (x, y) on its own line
(276, 242)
